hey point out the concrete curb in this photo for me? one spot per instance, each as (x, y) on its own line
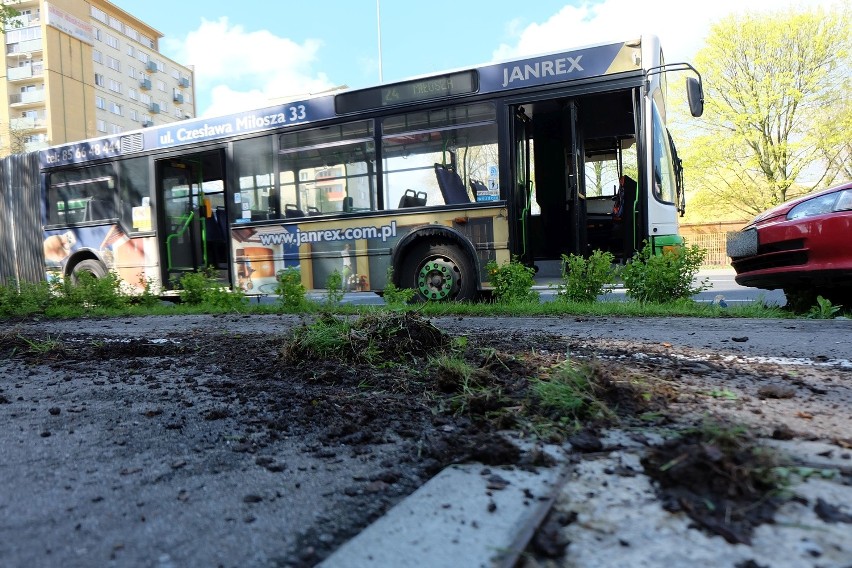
(467, 515)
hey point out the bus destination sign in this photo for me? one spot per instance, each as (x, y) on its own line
(462, 83)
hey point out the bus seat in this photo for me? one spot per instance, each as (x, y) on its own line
(478, 187)
(412, 199)
(452, 186)
(97, 209)
(313, 210)
(348, 204)
(291, 211)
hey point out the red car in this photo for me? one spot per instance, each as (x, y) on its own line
(803, 246)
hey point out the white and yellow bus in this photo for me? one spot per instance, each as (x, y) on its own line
(563, 153)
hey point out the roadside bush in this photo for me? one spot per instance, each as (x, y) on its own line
(197, 288)
(664, 278)
(91, 292)
(584, 279)
(512, 282)
(290, 291)
(24, 300)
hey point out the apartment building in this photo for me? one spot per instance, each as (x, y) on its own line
(78, 69)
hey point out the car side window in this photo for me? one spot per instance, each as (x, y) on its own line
(844, 201)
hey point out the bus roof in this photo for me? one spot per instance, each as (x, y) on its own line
(551, 68)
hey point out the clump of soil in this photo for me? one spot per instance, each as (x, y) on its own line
(398, 337)
(720, 478)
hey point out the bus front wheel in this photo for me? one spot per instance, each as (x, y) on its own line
(439, 271)
(88, 266)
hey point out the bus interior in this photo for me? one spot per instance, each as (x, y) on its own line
(577, 157)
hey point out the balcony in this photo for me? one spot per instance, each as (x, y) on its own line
(183, 82)
(27, 123)
(178, 98)
(154, 108)
(152, 67)
(22, 21)
(28, 98)
(29, 46)
(28, 71)
(37, 145)
(147, 123)
(145, 84)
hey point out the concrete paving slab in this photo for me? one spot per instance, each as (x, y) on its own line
(467, 515)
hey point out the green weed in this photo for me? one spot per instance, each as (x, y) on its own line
(334, 289)
(396, 297)
(823, 309)
(290, 290)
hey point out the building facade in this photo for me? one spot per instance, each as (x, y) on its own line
(77, 69)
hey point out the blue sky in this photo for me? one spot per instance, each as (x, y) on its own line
(252, 53)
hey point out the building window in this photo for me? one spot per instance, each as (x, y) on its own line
(144, 99)
(133, 114)
(143, 57)
(114, 86)
(100, 103)
(131, 51)
(146, 41)
(101, 125)
(99, 80)
(115, 108)
(131, 71)
(176, 74)
(112, 41)
(113, 63)
(132, 93)
(115, 129)
(97, 56)
(116, 24)
(97, 33)
(99, 15)
(161, 86)
(131, 33)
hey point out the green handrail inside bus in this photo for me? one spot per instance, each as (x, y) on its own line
(181, 230)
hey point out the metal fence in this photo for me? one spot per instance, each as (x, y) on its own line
(21, 249)
(713, 245)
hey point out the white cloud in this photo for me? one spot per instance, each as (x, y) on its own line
(682, 26)
(236, 69)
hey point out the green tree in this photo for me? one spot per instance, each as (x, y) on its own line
(777, 109)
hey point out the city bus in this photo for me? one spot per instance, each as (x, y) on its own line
(424, 181)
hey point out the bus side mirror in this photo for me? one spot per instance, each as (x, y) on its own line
(695, 94)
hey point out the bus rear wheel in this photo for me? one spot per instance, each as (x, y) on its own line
(439, 271)
(93, 267)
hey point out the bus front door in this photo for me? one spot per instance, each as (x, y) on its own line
(181, 238)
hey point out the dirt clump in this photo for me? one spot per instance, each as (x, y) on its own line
(720, 477)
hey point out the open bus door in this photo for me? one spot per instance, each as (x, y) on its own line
(552, 209)
(192, 216)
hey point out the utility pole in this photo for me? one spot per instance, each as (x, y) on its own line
(379, 29)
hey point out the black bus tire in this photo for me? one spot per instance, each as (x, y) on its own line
(438, 271)
(88, 266)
